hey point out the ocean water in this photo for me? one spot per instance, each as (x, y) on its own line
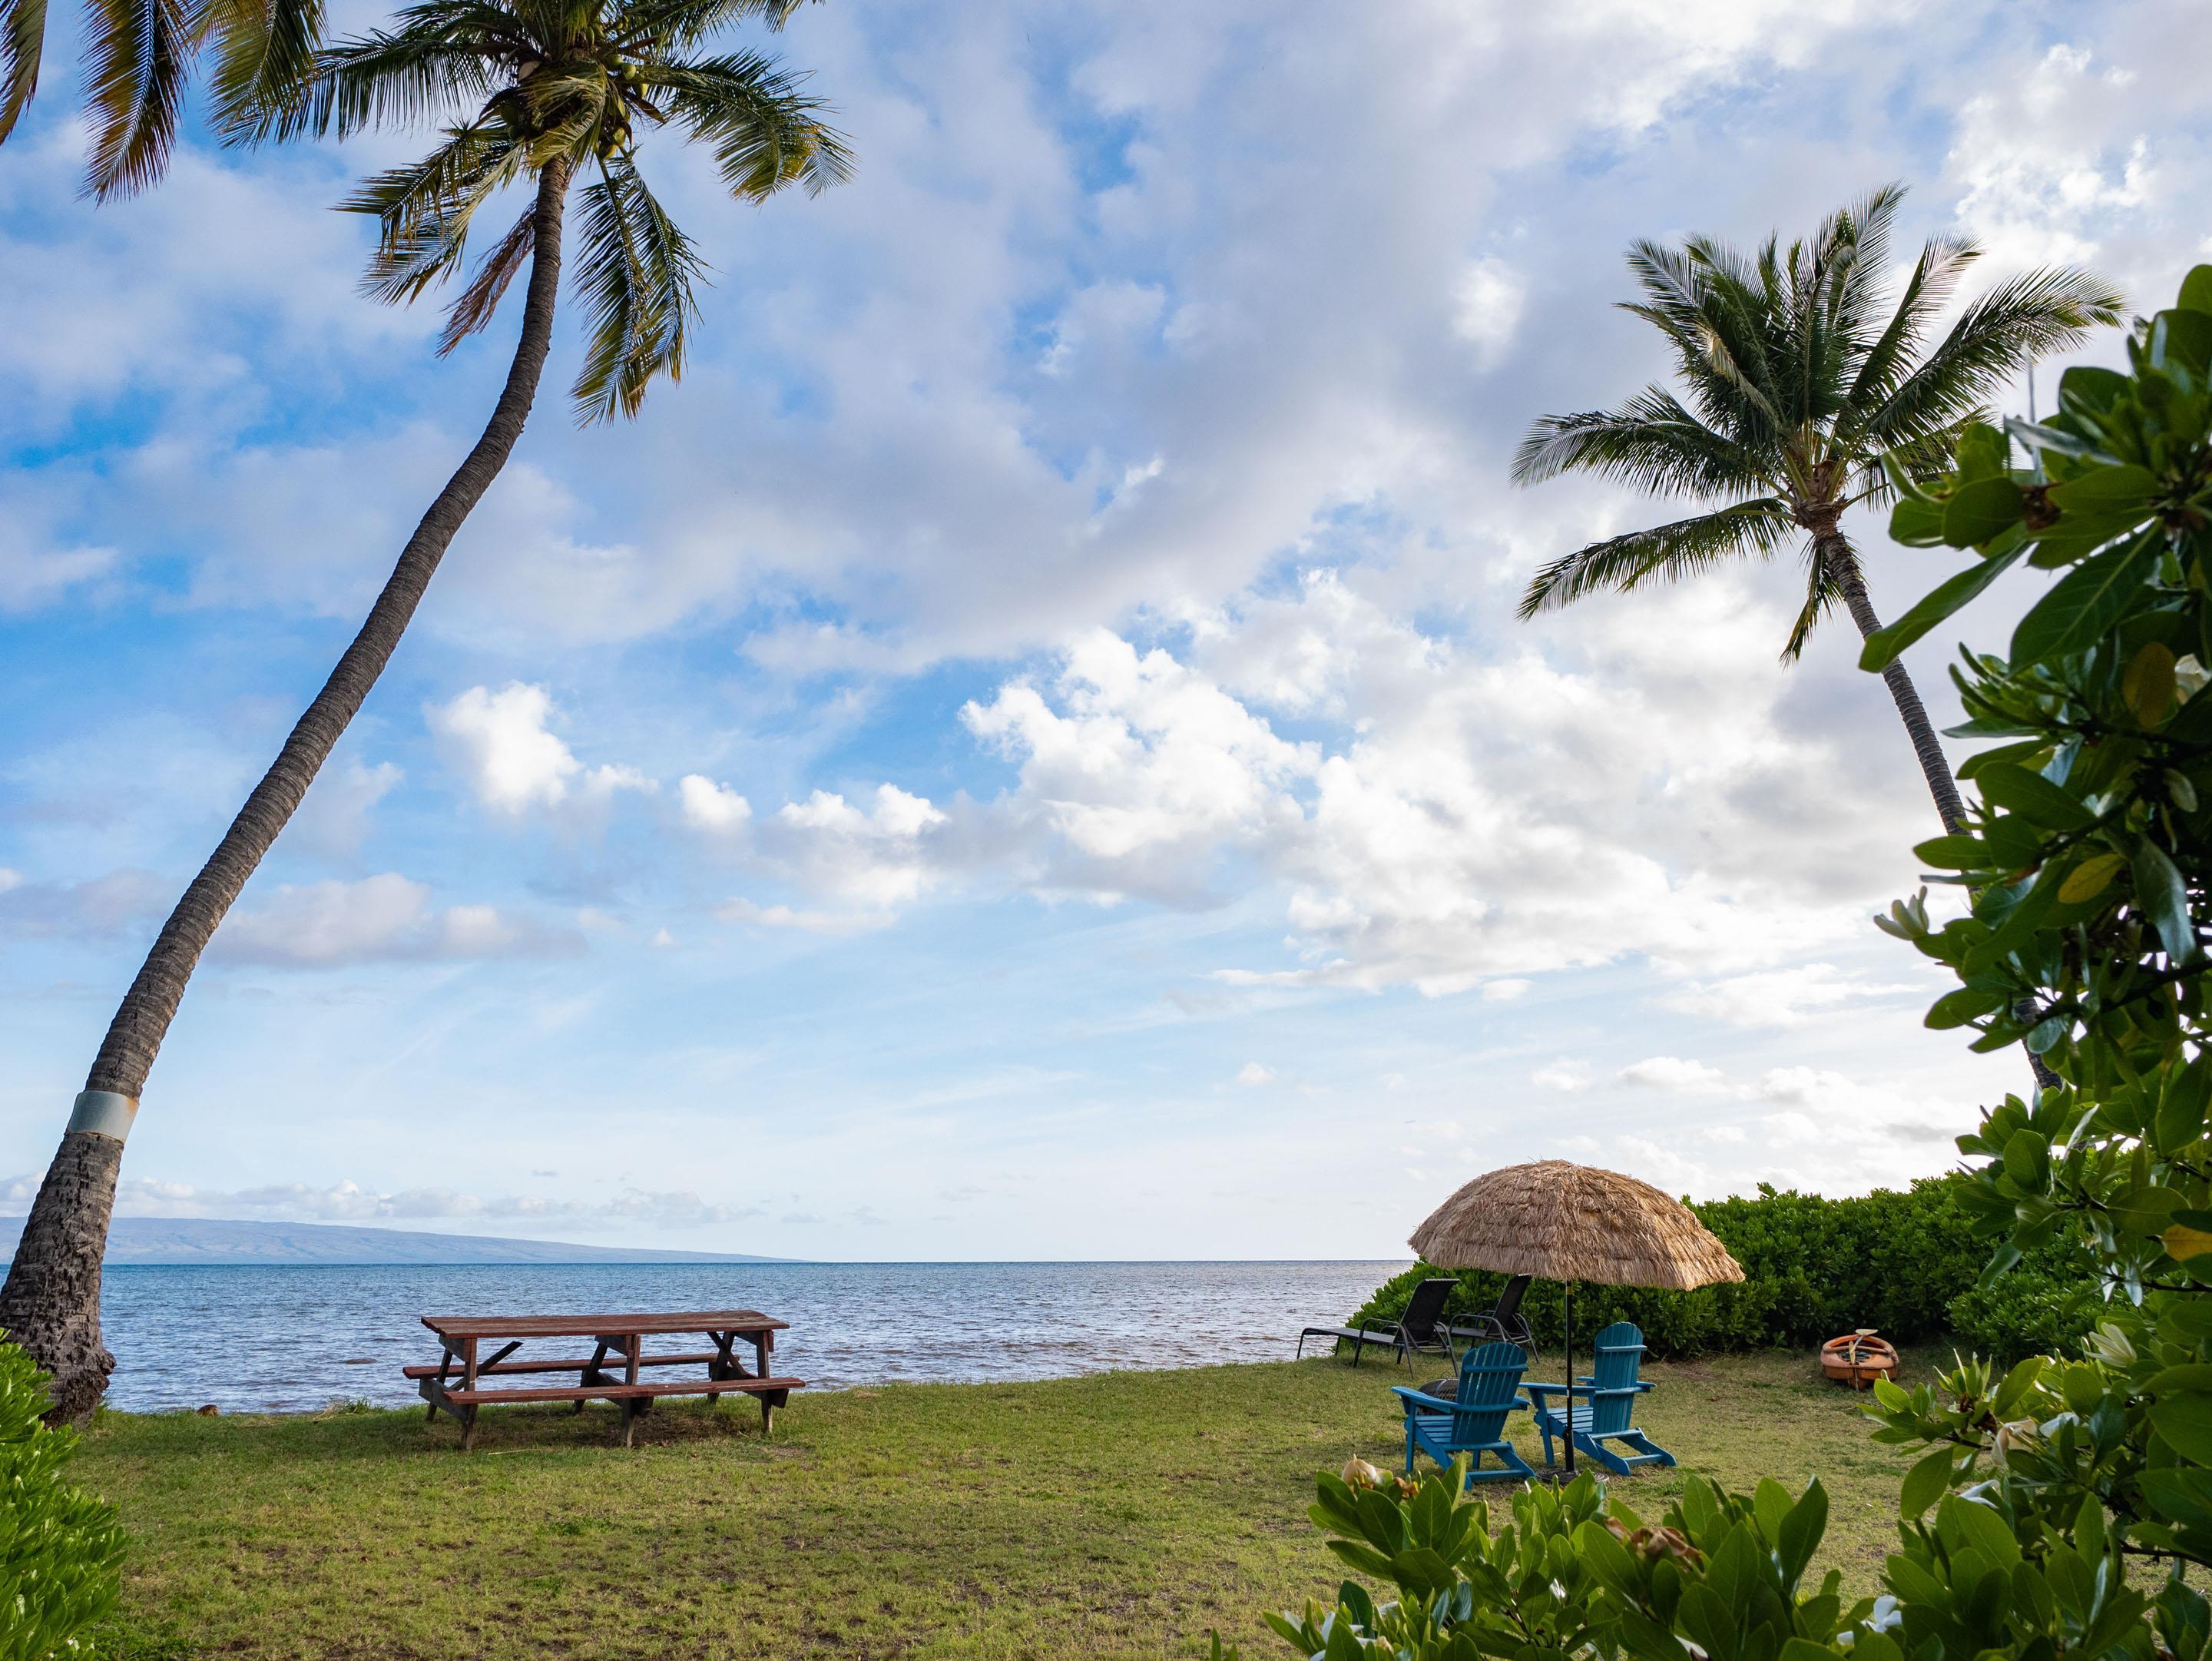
(285, 1338)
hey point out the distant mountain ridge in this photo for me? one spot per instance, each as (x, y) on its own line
(154, 1240)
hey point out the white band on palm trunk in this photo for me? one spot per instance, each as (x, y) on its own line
(104, 1113)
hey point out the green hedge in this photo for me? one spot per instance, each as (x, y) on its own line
(1905, 1262)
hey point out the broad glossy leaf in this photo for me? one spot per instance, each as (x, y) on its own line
(1954, 591)
(1968, 1003)
(2196, 289)
(2119, 488)
(2085, 602)
(2164, 900)
(2186, 1421)
(2034, 798)
(2086, 389)
(2148, 684)
(1979, 510)
(2090, 878)
(1928, 1481)
(1917, 522)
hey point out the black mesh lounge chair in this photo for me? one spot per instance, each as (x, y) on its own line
(1358, 1337)
(1421, 1329)
(1502, 1323)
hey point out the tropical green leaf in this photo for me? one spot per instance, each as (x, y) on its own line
(2034, 797)
(2085, 602)
(2164, 898)
(1883, 646)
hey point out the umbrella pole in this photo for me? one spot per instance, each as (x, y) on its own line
(1570, 1381)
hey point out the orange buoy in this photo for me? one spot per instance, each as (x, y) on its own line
(1858, 1359)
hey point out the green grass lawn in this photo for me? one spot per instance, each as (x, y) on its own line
(1122, 1515)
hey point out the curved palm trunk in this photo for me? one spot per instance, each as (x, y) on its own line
(1836, 550)
(51, 1303)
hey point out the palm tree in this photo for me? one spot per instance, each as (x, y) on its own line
(533, 92)
(1802, 375)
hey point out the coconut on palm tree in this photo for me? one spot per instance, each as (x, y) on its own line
(1801, 372)
(535, 94)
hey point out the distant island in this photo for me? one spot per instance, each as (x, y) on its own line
(148, 1240)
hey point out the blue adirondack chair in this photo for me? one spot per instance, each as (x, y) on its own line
(1473, 1422)
(1599, 1408)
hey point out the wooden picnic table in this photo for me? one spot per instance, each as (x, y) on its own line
(458, 1382)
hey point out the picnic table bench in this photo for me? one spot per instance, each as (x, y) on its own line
(462, 1379)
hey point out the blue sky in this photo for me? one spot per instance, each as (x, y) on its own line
(1026, 751)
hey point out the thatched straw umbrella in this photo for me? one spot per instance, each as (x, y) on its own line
(1569, 1222)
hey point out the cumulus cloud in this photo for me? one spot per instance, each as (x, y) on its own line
(1568, 1076)
(502, 747)
(386, 918)
(713, 808)
(1674, 1073)
(1253, 1074)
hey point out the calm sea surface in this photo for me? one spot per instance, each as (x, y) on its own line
(292, 1338)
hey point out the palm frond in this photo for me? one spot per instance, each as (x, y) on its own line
(140, 53)
(265, 59)
(1675, 286)
(1736, 311)
(437, 72)
(766, 132)
(634, 274)
(23, 42)
(2017, 321)
(677, 26)
(476, 303)
(1864, 229)
(1651, 441)
(424, 210)
(1664, 553)
(1824, 592)
(1928, 287)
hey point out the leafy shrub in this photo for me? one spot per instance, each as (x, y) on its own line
(1907, 1263)
(61, 1553)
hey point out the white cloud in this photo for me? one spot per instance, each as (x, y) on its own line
(501, 744)
(1565, 1076)
(1779, 997)
(874, 857)
(712, 808)
(810, 922)
(383, 918)
(1489, 300)
(1674, 1073)
(1253, 1074)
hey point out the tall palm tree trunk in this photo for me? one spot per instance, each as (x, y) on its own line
(1836, 550)
(51, 1303)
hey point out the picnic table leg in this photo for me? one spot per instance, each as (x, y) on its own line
(468, 1382)
(590, 1375)
(724, 1366)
